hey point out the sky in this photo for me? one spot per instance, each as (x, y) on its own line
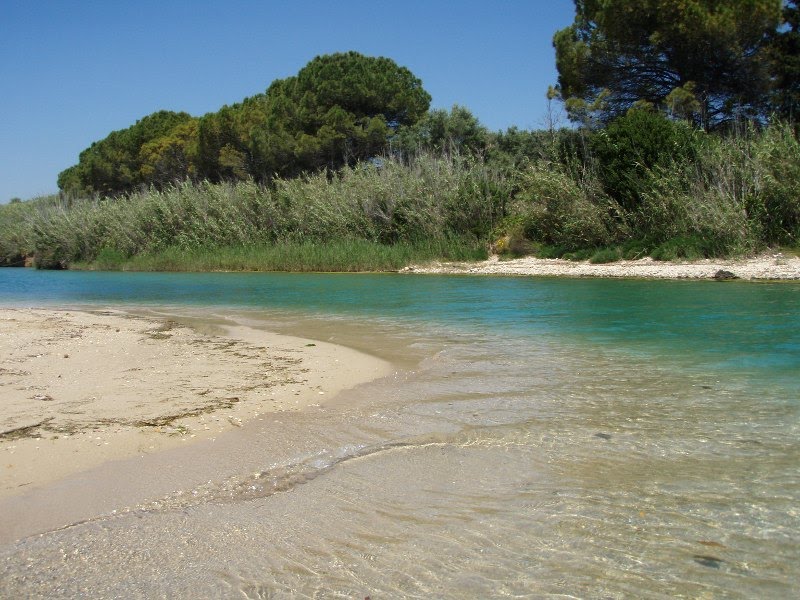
(72, 71)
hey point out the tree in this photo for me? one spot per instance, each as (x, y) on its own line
(631, 146)
(702, 59)
(454, 131)
(338, 109)
(363, 86)
(784, 52)
(170, 158)
(113, 165)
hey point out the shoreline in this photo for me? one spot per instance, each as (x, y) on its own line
(764, 267)
(80, 390)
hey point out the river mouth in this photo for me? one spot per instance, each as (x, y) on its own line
(496, 460)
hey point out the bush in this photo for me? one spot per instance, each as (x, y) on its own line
(424, 203)
(558, 211)
(109, 259)
(633, 145)
(688, 204)
(777, 206)
(740, 194)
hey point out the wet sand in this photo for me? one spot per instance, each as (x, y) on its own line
(79, 390)
(769, 266)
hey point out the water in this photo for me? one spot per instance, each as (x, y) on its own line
(545, 438)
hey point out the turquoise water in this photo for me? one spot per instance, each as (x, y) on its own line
(737, 325)
(548, 438)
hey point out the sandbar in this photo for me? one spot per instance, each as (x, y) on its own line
(79, 389)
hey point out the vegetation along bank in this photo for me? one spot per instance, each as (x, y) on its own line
(673, 153)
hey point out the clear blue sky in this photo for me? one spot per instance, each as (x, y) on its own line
(73, 71)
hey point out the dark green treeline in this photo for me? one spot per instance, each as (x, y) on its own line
(337, 110)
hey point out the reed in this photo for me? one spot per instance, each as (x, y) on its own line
(422, 204)
(347, 255)
(733, 195)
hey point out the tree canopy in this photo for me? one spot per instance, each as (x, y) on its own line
(784, 53)
(114, 164)
(456, 131)
(704, 60)
(338, 109)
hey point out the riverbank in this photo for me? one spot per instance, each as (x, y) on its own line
(771, 266)
(80, 389)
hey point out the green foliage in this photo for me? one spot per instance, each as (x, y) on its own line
(17, 221)
(784, 55)
(620, 52)
(427, 201)
(311, 256)
(114, 164)
(606, 255)
(339, 109)
(579, 255)
(633, 145)
(170, 158)
(454, 132)
(634, 249)
(222, 140)
(109, 259)
(550, 193)
(359, 85)
(559, 211)
(687, 248)
(681, 194)
(775, 167)
(739, 194)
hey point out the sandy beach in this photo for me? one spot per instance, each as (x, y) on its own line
(769, 266)
(80, 389)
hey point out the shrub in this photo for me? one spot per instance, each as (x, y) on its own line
(777, 206)
(109, 259)
(632, 145)
(556, 210)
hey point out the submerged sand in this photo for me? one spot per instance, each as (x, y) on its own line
(79, 389)
(772, 266)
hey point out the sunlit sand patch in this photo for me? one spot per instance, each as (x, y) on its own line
(78, 389)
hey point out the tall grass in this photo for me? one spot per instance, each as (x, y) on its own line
(347, 255)
(564, 209)
(17, 224)
(742, 193)
(728, 195)
(428, 208)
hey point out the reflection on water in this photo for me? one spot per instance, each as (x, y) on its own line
(611, 461)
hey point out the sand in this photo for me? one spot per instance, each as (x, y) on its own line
(80, 389)
(771, 266)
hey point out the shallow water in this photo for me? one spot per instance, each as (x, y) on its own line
(543, 438)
